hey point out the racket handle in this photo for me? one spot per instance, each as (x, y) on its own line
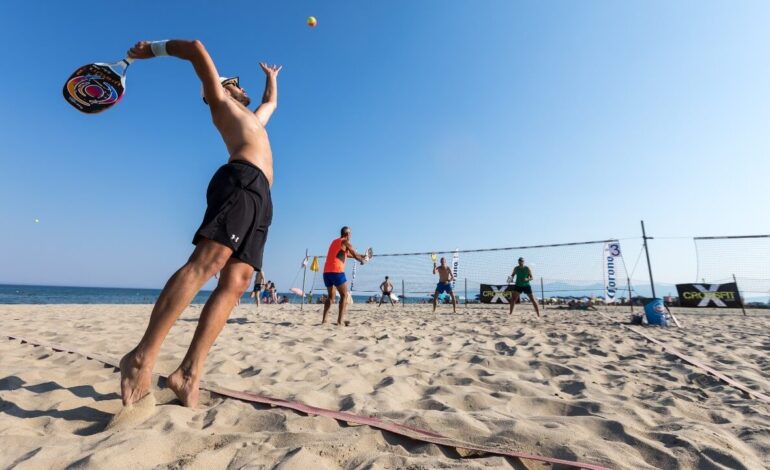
(128, 61)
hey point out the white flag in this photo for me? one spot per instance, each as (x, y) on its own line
(455, 267)
(612, 257)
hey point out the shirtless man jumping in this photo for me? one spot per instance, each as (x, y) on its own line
(231, 239)
(445, 278)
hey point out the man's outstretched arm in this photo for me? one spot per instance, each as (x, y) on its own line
(192, 51)
(270, 96)
(352, 252)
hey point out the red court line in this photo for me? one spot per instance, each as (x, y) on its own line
(691, 360)
(395, 428)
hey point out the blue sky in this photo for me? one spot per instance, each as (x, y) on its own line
(423, 125)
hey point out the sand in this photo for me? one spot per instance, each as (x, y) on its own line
(572, 385)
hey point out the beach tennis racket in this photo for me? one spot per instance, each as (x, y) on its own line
(433, 257)
(96, 87)
(368, 254)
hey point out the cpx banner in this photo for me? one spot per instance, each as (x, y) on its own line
(496, 294)
(709, 295)
(612, 260)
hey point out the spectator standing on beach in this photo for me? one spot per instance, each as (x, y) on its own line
(259, 285)
(273, 293)
(266, 293)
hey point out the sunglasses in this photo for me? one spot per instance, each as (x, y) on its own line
(232, 81)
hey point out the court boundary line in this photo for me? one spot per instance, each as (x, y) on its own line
(464, 449)
(695, 362)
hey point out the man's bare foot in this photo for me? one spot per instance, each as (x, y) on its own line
(185, 386)
(135, 378)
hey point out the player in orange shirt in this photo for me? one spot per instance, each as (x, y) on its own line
(334, 272)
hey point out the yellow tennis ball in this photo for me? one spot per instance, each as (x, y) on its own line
(311, 21)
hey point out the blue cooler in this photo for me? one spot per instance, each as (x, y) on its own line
(655, 310)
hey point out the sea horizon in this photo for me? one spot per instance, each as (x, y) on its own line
(36, 294)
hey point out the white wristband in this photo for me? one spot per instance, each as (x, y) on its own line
(159, 48)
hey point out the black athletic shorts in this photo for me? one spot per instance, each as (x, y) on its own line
(523, 289)
(239, 211)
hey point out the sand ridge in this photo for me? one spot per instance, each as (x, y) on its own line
(569, 385)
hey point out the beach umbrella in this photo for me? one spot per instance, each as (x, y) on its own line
(297, 290)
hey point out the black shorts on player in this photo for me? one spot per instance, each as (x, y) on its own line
(239, 211)
(523, 289)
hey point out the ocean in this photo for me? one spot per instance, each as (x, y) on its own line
(20, 294)
(25, 294)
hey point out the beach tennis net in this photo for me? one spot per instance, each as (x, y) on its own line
(747, 257)
(559, 270)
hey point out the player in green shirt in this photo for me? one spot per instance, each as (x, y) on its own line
(523, 275)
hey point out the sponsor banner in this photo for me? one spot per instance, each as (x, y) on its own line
(709, 295)
(455, 267)
(612, 260)
(490, 294)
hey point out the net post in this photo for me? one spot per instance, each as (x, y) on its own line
(466, 291)
(542, 293)
(403, 295)
(647, 252)
(630, 300)
(740, 298)
(304, 274)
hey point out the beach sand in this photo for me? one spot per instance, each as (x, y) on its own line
(572, 385)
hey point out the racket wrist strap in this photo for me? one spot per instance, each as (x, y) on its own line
(159, 48)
